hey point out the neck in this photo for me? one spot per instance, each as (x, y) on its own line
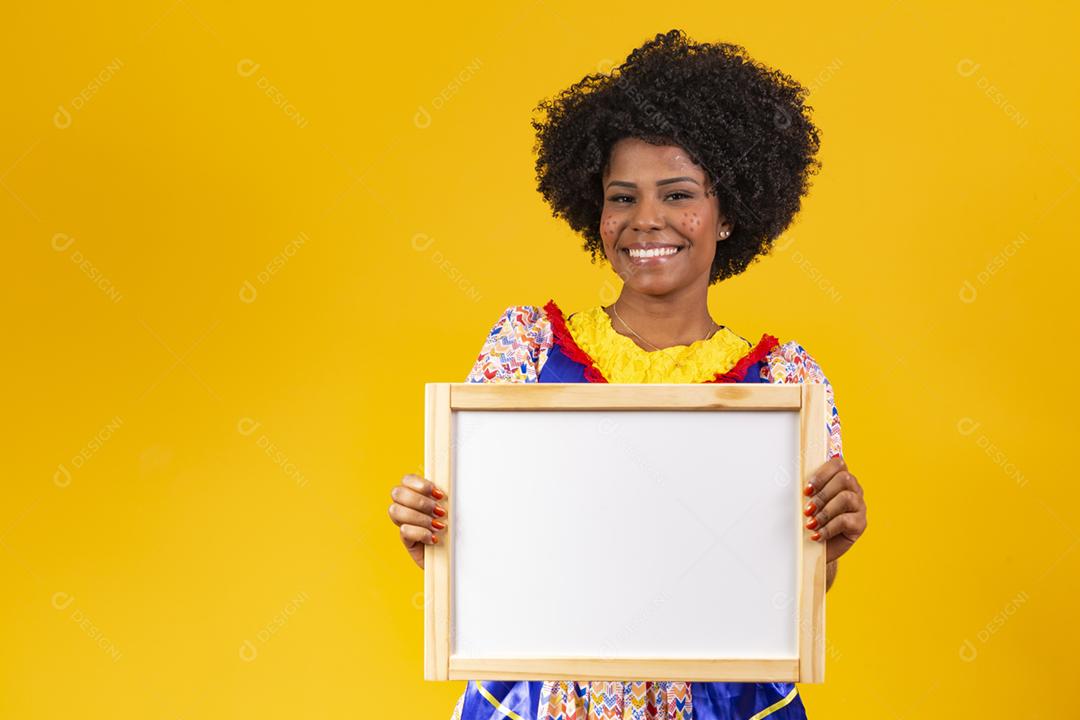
(664, 321)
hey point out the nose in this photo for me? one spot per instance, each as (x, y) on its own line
(648, 215)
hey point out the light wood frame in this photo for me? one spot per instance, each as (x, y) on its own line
(443, 399)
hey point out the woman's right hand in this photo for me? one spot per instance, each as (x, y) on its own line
(418, 516)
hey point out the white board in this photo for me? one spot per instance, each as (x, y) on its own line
(625, 534)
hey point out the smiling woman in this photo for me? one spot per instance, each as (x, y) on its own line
(680, 167)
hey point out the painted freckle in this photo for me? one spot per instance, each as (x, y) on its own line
(691, 222)
(610, 225)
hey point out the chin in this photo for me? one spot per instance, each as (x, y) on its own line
(653, 286)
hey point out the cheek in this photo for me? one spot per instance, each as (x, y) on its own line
(609, 229)
(690, 223)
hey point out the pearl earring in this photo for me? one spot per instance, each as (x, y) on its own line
(724, 234)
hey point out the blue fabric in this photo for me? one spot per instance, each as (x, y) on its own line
(560, 369)
(711, 701)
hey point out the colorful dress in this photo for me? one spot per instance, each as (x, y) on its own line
(539, 344)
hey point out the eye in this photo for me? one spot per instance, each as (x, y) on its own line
(617, 198)
(681, 193)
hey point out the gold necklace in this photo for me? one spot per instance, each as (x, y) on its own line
(625, 324)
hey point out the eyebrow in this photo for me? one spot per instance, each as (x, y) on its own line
(668, 181)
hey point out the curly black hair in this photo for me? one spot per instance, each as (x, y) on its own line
(746, 125)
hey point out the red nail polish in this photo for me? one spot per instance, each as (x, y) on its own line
(440, 511)
(812, 524)
(809, 489)
(816, 536)
(437, 493)
(435, 539)
(811, 508)
(438, 524)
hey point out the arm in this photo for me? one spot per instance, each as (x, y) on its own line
(509, 354)
(838, 515)
(515, 347)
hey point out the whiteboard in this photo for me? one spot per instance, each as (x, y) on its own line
(576, 533)
(646, 531)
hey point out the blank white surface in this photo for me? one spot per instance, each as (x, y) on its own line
(625, 533)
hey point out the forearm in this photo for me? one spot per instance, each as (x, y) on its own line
(830, 574)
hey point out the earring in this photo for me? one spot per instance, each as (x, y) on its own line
(724, 234)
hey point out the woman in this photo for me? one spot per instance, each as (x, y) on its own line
(680, 167)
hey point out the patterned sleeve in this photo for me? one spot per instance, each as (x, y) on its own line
(515, 348)
(790, 363)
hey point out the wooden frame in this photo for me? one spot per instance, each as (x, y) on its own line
(445, 399)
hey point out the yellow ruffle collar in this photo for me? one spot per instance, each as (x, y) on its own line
(621, 360)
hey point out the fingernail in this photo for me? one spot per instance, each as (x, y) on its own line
(440, 511)
(438, 524)
(437, 493)
(812, 524)
(435, 539)
(816, 536)
(811, 508)
(809, 489)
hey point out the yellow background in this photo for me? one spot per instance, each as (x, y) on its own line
(258, 231)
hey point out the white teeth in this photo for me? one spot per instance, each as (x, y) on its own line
(652, 252)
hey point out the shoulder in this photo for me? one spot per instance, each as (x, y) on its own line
(526, 318)
(524, 325)
(790, 362)
(515, 347)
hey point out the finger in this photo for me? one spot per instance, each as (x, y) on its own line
(851, 525)
(842, 481)
(820, 476)
(402, 515)
(846, 501)
(412, 534)
(825, 471)
(423, 486)
(412, 499)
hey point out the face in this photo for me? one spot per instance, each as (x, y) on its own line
(659, 226)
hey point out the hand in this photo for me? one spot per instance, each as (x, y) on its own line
(836, 508)
(416, 513)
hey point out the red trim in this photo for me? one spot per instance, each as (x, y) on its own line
(566, 343)
(737, 373)
(570, 348)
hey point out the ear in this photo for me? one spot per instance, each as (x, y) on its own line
(724, 227)
(724, 230)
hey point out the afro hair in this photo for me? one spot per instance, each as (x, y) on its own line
(747, 126)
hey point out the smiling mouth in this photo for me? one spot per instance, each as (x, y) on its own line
(652, 253)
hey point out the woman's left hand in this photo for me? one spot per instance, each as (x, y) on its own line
(836, 508)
